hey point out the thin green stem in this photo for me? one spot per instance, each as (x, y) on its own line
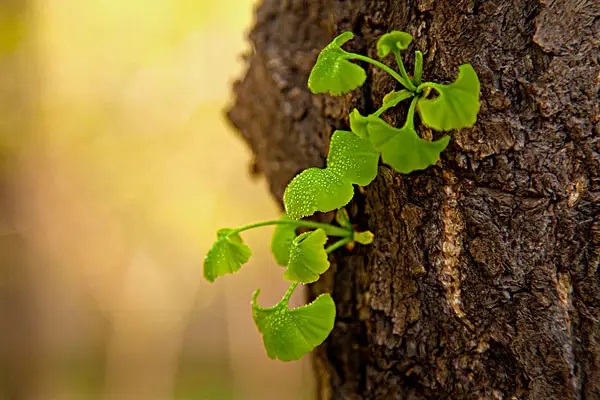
(392, 103)
(380, 110)
(330, 230)
(411, 86)
(425, 85)
(418, 68)
(407, 84)
(338, 244)
(410, 117)
(286, 297)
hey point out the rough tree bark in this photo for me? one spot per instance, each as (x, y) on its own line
(483, 280)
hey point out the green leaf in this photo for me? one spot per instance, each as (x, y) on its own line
(352, 157)
(315, 190)
(283, 236)
(226, 255)
(402, 148)
(358, 124)
(456, 106)
(351, 160)
(288, 334)
(333, 72)
(307, 257)
(393, 41)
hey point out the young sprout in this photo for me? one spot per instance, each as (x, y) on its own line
(288, 334)
(306, 257)
(455, 107)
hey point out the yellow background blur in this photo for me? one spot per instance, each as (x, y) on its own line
(116, 168)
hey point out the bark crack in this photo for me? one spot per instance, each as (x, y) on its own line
(452, 246)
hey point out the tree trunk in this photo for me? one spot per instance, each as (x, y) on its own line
(484, 279)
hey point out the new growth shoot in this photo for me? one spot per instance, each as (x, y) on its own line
(353, 159)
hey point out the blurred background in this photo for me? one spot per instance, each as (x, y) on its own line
(116, 168)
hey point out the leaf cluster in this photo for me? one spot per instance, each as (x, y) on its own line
(287, 333)
(353, 159)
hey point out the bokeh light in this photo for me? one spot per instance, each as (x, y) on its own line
(117, 167)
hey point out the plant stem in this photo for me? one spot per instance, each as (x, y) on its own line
(330, 230)
(283, 303)
(411, 86)
(393, 103)
(418, 67)
(286, 297)
(407, 84)
(338, 244)
(410, 117)
(425, 85)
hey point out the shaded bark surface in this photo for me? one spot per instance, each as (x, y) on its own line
(484, 278)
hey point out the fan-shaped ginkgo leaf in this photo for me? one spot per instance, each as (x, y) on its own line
(226, 255)
(393, 42)
(353, 157)
(402, 148)
(288, 334)
(307, 257)
(358, 124)
(457, 104)
(333, 72)
(316, 189)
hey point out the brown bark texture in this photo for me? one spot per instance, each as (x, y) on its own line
(483, 281)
